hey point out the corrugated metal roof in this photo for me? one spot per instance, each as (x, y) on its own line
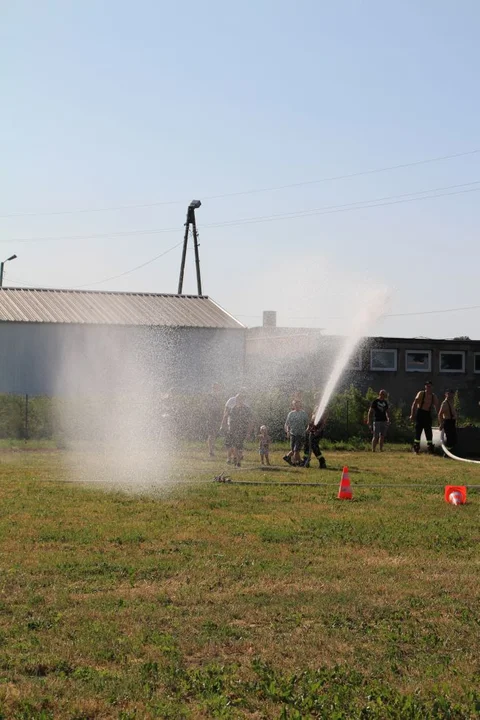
(111, 308)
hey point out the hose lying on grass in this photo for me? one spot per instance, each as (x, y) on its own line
(455, 457)
(228, 481)
(451, 455)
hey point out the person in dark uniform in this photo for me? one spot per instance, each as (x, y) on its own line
(447, 418)
(425, 403)
(315, 432)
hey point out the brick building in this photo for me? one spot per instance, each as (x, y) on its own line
(304, 357)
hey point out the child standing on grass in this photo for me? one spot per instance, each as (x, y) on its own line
(264, 446)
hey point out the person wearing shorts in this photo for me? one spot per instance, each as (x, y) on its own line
(225, 425)
(296, 427)
(378, 413)
(240, 428)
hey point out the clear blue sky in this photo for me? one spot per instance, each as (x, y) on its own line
(120, 103)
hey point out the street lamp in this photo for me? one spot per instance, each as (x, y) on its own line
(194, 205)
(12, 257)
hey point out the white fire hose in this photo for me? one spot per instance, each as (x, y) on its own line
(451, 455)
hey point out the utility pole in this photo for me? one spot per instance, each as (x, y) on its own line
(194, 205)
(12, 257)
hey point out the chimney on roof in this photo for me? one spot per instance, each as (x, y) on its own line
(270, 318)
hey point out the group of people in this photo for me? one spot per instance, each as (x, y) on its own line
(304, 431)
(424, 406)
(236, 423)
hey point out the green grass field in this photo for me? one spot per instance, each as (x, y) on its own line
(240, 601)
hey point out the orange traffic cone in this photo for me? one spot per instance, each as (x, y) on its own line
(345, 489)
(456, 494)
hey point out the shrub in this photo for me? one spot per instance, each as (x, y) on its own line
(12, 413)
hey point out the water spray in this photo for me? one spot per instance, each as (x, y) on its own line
(372, 310)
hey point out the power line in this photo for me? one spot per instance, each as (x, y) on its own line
(357, 205)
(253, 191)
(113, 277)
(93, 236)
(325, 210)
(239, 315)
(344, 177)
(342, 208)
(434, 312)
(127, 272)
(390, 315)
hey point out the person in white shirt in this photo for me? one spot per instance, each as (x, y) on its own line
(225, 425)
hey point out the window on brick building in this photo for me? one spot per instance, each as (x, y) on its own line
(383, 360)
(476, 363)
(452, 361)
(418, 360)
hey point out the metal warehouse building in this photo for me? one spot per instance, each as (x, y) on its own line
(62, 341)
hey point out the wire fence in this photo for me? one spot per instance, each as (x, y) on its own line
(25, 417)
(185, 416)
